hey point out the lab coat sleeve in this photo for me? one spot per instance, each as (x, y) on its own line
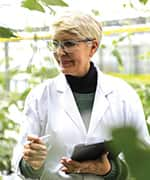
(30, 123)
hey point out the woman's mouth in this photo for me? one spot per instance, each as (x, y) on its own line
(66, 63)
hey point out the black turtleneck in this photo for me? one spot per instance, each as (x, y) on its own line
(85, 84)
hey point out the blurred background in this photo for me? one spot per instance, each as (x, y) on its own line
(26, 60)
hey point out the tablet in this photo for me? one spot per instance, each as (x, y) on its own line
(84, 152)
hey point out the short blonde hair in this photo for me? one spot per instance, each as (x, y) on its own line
(80, 24)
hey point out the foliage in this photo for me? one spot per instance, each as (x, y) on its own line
(36, 75)
(141, 84)
(36, 5)
(136, 152)
(6, 32)
(7, 125)
(144, 56)
(143, 1)
(131, 3)
(115, 48)
(40, 5)
(33, 5)
(144, 93)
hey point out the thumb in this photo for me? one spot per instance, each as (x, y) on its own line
(32, 138)
(104, 157)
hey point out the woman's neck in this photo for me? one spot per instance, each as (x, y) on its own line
(85, 84)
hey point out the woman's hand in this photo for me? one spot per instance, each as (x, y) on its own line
(35, 152)
(100, 166)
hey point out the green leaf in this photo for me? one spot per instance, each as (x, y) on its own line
(54, 2)
(95, 12)
(114, 42)
(116, 53)
(6, 32)
(135, 150)
(143, 1)
(103, 46)
(131, 5)
(24, 94)
(122, 38)
(32, 5)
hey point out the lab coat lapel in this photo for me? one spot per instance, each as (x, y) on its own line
(69, 105)
(99, 108)
(101, 103)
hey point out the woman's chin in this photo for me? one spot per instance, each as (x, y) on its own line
(65, 70)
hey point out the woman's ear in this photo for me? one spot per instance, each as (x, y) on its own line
(94, 47)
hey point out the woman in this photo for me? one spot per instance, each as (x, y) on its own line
(81, 105)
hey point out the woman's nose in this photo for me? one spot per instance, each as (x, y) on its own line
(60, 50)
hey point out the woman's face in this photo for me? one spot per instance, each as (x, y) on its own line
(75, 59)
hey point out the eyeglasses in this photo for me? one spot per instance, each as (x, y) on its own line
(66, 45)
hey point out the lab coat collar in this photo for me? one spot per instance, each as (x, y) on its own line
(100, 106)
(103, 83)
(68, 103)
(101, 103)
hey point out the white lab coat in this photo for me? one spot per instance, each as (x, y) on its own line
(50, 108)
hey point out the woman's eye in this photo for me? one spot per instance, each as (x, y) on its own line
(55, 43)
(69, 43)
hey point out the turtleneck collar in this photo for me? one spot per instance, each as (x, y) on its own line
(85, 84)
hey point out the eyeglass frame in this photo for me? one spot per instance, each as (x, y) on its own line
(65, 47)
